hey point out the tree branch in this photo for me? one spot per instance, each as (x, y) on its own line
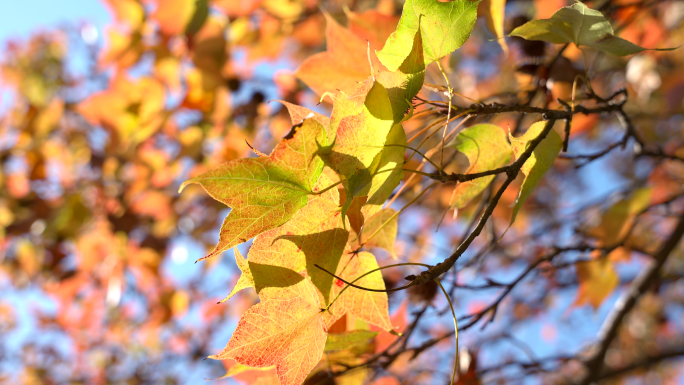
(594, 364)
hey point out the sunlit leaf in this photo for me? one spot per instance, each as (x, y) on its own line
(582, 26)
(444, 27)
(486, 147)
(265, 192)
(539, 162)
(346, 57)
(314, 235)
(388, 172)
(369, 306)
(383, 230)
(359, 126)
(285, 329)
(246, 280)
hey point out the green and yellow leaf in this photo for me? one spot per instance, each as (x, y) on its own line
(380, 230)
(486, 147)
(369, 306)
(443, 26)
(265, 192)
(539, 162)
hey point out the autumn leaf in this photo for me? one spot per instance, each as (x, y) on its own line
(620, 217)
(380, 230)
(265, 192)
(597, 279)
(404, 84)
(346, 57)
(443, 26)
(369, 306)
(582, 26)
(372, 26)
(539, 162)
(486, 147)
(359, 126)
(246, 280)
(314, 235)
(299, 113)
(494, 11)
(285, 329)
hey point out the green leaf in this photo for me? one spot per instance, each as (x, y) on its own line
(486, 147)
(404, 84)
(360, 124)
(388, 173)
(348, 339)
(444, 27)
(265, 192)
(386, 228)
(582, 26)
(539, 162)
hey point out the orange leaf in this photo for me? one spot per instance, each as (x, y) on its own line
(173, 15)
(597, 279)
(286, 330)
(369, 306)
(346, 57)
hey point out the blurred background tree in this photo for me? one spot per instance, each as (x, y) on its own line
(100, 124)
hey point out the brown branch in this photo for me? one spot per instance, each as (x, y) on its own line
(642, 363)
(594, 363)
(512, 173)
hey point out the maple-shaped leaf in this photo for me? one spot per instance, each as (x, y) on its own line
(538, 163)
(380, 230)
(285, 329)
(444, 27)
(620, 217)
(369, 306)
(265, 192)
(246, 280)
(597, 279)
(314, 235)
(342, 66)
(487, 148)
(582, 26)
(494, 11)
(358, 130)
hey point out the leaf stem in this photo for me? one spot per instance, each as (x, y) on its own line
(453, 314)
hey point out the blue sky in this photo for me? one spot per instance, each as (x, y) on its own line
(19, 18)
